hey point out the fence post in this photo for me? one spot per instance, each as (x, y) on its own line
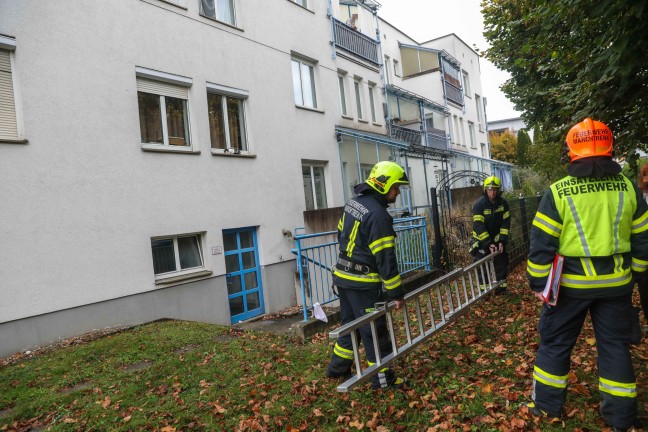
(438, 240)
(524, 221)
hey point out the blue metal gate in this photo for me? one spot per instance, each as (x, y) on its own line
(317, 253)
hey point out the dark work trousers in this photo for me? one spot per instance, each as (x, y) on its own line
(559, 327)
(354, 304)
(501, 267)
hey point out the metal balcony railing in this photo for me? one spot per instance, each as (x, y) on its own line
(354, 42)
(411, 136)
(437, 140)
(453, 94)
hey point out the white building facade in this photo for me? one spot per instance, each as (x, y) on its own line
(156, 155)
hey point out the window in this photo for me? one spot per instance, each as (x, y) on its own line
(220, 10)
(483, 150)
(226, 111)
(471, 132)
(177, 255)
(304, 84)
(457, 138)
(303, 3)
(480, 113)
(314, 186)
(163, 111)
(388, 70)
(372, 102)
(397, 71)
(358, 97)
(10, 127)
(343, 105)
(463, 132)
(466, 83)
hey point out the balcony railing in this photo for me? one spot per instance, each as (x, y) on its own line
(355, 42)
(437, 139)
(453, 94)
(412, 136)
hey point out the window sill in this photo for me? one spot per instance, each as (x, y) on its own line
(181, 278)
(376, 124)
(11, 141)
(222, 22)
(310, 109)
(169, 2)
(347, 117)
(363, 121)
(169, 149)
(245, 154)
(302, 7)
(468, 96)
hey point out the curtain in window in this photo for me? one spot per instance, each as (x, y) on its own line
(150, 118)
(176, 121)
(216, 123)
(236, 123)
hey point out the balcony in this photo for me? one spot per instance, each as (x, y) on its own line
(437, 139)
(453, 94)
(356, 43)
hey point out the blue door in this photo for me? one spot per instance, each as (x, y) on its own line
(244, 288)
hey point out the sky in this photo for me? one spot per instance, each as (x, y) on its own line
(428, 19)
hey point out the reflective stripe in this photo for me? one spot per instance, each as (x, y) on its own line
(506, 215)
(639, 265)
(640, 224)
(549, 379)
(618, 263)
(504, 231)
(588, 267)
(598, 281)
(381, 244)
(547, 225)
(618, 389)
(342, 352)
(538, 270)
(579, 226)
(482, 236)
(487, 212)
(478, 218)
(341, 223)
(497, 238)
(617, 220)
(499, 209)
(371, 277)
(352, 237)
(392, 283)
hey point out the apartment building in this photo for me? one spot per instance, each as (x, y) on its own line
(157, 155)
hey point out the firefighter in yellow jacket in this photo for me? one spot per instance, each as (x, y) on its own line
(597, 219)
(367, 270)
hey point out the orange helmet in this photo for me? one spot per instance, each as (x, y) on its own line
(589, 138)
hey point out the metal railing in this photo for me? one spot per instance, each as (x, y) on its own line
(412, 136)
(437, 141)
(427, 310)
(356, 43)
(317, 253)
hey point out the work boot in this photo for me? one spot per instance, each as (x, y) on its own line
(342, 376)
(398, 383)
(537, 412)
(385, 379)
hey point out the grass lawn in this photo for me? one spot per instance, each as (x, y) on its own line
(183, 376)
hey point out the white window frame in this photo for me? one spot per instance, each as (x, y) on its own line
(388, 70)
(473, 137)
(302, 3)
(463, 131)
(214, 18)
(313, 67)
(8, 44)
(312, 165)
(397, 71)
(358, 92)
(480, 112)
(243, 96)
(466, 82)
(177, 81)
(342, 89)
(372, 102)
(182, 273)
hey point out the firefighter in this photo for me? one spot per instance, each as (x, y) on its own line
(367, 264)
(642, 282)
(598, 221)
(491, 223)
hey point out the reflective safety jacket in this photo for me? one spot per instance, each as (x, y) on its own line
(600, 226)
(491, 222)
(366, 237)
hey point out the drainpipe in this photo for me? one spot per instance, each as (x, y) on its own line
(329, 14)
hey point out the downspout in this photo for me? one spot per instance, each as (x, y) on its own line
(329, 14)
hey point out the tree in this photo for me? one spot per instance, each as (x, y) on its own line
(572, 59)
(504, 146)
(523, 143)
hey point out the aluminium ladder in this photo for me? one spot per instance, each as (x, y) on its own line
(427, 310)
